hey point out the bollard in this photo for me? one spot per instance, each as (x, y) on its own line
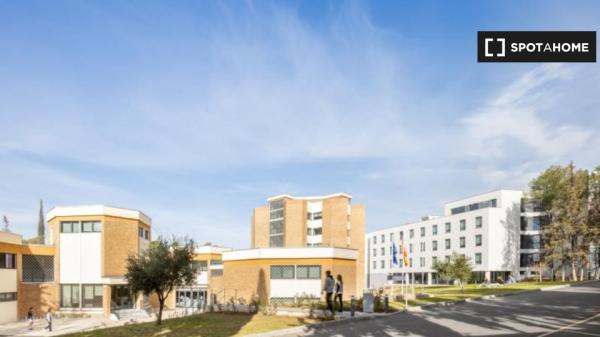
(352, 305)
(386, 303)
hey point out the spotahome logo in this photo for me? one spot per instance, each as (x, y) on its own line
(536, 46)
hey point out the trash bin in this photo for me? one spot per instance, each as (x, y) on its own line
(368, 303)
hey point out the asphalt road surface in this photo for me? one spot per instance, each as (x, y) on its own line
(572, 311)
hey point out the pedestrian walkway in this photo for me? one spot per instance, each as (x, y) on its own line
(60, 326)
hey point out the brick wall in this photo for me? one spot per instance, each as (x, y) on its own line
(260, 228)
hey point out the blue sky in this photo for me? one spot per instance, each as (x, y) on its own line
(196, 112)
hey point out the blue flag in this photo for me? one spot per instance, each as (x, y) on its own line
(394, 254)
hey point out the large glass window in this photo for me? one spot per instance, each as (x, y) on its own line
(91, 226)
(69, 295)
(38, 268)
(8, 261)
(311, 216)
(201, 265)
(276, 223)
(529, 260)
(308, 272)
(534, 223)
(92, 295)
(314, 231)
(282, 272)
(531, 242)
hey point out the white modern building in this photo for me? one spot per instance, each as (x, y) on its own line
(498, 230)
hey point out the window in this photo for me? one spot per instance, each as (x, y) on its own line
(276, 233)
(434, 245)
(382, 238)
(477, 258)
(534, 223)
(462, 242)
(216, 262)
(90, 226)
(412, 233)
(433, 260)
(422, 246)
(382, 264)
(146, 234)
(38, 268)
(282, 272)
(401, 236)
(531, 242)
(8, 297)
(422, 231)
(529, 260)
(478, 222)
(374, 252)
(410, 262)
(478, 240)
(434, 230)
(448, 227)
(69, 295)
(422, 261)
(70, 227)
(276, 241)
(313, 216)
(382, 251)
(447, 243)
(91, 295)
(140, 232)
(463, 225)
(216, 272)
(308, 272)
(447, 258)
(410, 248)
(391, 237)
(374, 239)
(315, 231)
(8, 261)
(374, 264)
(475, 206)
(200, 266)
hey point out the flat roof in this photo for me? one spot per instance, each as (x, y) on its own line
(83, 210)
(291, 253)
(310, 198)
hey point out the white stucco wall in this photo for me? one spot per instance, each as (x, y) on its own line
(80, 258)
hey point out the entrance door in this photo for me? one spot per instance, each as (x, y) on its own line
(121, 297)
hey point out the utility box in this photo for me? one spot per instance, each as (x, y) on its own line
(368, 303)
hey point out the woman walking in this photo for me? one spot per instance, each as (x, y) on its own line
(339, 291)
(30, 317)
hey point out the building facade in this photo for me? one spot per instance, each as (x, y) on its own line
(294, 240)
(499, 231)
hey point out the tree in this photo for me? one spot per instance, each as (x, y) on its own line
(165, 265)
(6, 224)
(458, 267)
(41, 235)
(594, 217)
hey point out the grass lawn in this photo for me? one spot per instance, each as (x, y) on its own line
(454, 293)
(204, 325)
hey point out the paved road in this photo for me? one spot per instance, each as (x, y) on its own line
(572, 311)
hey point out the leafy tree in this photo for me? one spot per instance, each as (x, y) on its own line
(458, 268)
(165, 265)
(594, 216)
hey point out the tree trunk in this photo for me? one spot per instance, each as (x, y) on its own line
(574, 271)
(161, 304)
(563, 272)
(581, 273)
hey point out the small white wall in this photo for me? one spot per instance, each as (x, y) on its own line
(80, 258)
(8, 280)
(293, 288)
(8, 312)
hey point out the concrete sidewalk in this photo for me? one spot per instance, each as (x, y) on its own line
(60, 326)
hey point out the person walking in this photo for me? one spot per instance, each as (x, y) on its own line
(339, 291)
(30, 317)
(328, 289)
(49, 320)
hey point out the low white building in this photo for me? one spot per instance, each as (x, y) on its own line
(498, 231)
